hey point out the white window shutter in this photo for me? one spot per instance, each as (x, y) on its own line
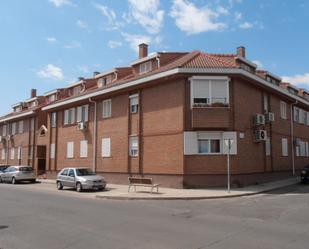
(70, 149)
(284, 143)
(66, 117)
(73, 116)
(79, 114)
(86, 113)
(19, 153)
(106, 147)
(83, 148)
(52, 151)
(190, 143)
(21, 126)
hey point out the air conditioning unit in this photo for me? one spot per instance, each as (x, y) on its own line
(260, 135)
(269, 117)
(82, 126)
(9, 137)
(259, 119)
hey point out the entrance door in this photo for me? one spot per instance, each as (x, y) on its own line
(41, 159)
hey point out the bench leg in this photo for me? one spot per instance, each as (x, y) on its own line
(129, 188)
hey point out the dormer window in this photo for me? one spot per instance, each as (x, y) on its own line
(33, 104)
(52, 98)
(101, 82)
(293, 91)
(17, 109)
(77, 90)
(145, 67)
(246, 67)
(104, 81)
(272, 80)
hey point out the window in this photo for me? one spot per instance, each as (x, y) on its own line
(65, 172)
(52, 151)
(106, 147)
(21, 127)
(283, 109)
(284, 144)
(19, 153)
(69, 116)
(208, 146)
(71, 173)
(77, 90)
(52, 98)
(208, 91)
(33, 103)
(12, 154)
(4, 130)
(301, 148)
(133, 146)
(107, 108)
(246, 67)
(3, 154)
(82, 113)
(83, 148)
(268, 147)
(13, 128)
(134, 103)
(70, 150)
(53, 118)
(265, 103)
(145, 67)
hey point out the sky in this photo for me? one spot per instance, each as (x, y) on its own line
(47, 44)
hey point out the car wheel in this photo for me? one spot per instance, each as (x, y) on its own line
(13, 180)
(59, 185)
(33, 181)
(79, 187)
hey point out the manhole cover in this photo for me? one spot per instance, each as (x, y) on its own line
(3, 227)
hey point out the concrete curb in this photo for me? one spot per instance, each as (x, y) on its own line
(193, 198)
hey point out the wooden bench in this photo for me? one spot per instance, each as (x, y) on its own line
(143, 182)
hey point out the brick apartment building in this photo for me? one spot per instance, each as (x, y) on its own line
(167, 116)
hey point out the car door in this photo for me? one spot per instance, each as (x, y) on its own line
(63, 177)
(9, 174)
(71, 178)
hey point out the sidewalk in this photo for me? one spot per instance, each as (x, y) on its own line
(120, 192)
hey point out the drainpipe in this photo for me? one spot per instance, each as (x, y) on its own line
(292, 137)
(158, 60)
(94, 138)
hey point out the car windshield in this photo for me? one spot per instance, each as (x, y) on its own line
(84, 172)
(25, 169)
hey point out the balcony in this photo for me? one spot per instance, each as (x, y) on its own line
(216, 115)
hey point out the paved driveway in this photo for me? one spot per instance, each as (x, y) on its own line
(39, 217)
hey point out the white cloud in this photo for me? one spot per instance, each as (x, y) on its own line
(114, 44)
(83, 69)
(194, 20)
(258, 63)
(135, 40)
(110, 15)
(246, 25)
(148, 14)
(51, 39)
(238, 16)
(59, 3)
(222, 10)
(299, 79)
(52, 72)
(82, 24)
(73, 44)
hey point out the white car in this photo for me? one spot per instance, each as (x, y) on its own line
(14, 174)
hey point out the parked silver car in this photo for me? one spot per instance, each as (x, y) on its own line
(14, 174)
(80, 178)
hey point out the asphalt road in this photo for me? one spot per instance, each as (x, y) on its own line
(36, 217)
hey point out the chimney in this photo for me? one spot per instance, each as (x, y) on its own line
(33, 93)
(143, 50)
(81, 78)
(241, 52)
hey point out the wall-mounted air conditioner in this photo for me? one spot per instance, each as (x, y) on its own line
(259, 119)
(269, 117)
(260, 135)
(82, 126)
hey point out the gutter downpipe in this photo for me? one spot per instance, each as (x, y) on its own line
(158, 60)
(94, 138)
(292, 138)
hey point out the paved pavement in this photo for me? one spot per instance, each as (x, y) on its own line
(38, 216)
(120, 192)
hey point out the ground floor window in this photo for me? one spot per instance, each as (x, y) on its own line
(133, 146)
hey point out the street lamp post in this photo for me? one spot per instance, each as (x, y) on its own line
(228, 144)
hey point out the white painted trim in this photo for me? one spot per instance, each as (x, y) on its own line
(17, 105)
(274, 76)
(51, 92)
(105, 73)
(30, 100)
(151, 56)
(205, 77)
(17, 116)
(176, 71)
(75, 83)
